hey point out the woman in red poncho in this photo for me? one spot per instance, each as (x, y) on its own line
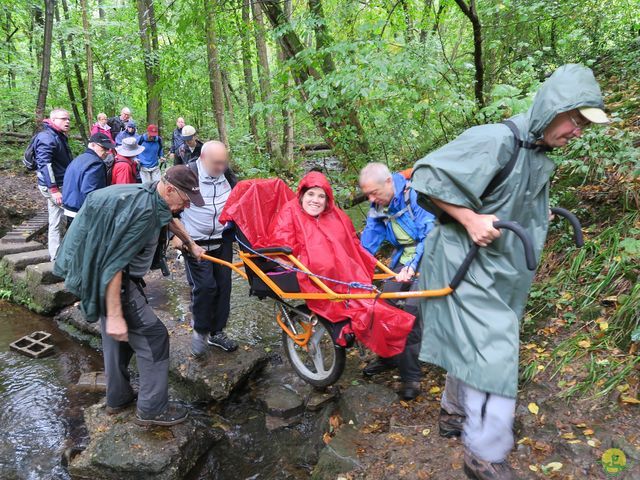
(323, 238)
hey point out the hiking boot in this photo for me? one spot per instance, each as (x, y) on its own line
(172, 415)
(220, 340)
(123, 407)
(199, 345)
(482, 470)
(450, 424)
(409, 390)
(376, 366)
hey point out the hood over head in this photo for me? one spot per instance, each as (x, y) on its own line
(316, 179)
(571, 86)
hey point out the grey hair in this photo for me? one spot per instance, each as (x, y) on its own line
(374, 172)
(125, 110)
(57, 111)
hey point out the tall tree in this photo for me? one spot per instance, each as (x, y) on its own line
(68, 83)
(45, 71)
(330, 123)
(471, 13)
(215, 73)
(89, 56)
(288, 140)
(149, 37)
(74, 58)
(264, 79)
(247, 69)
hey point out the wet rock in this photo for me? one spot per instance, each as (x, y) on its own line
(18, 261)
(318, 400)
(279, 401)
(216, 375)
(8, 248)
(339, 456)
(275, 423)
(72, 315)
(119, 449)
(359, 403)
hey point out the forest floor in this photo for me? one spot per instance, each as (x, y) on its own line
(19, 198)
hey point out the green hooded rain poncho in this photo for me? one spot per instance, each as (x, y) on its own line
(112, 226)
(474, 333)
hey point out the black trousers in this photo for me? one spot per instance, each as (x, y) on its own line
(210, 290)
(407, 361)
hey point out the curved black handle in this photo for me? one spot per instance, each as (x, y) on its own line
(575, 223)
(516, 228)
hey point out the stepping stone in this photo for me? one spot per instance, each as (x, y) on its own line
(93, 382)
(18, 261)
(33, 345)
(8, 248)
(279, 401)
(42, 273)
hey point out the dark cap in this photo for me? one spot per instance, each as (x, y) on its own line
(103, 140)
(183, 178)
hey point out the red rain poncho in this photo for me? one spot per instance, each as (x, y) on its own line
(328, 246)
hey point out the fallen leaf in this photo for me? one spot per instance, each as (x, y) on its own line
(627, 399)
(603, 326)
(426, 432)
(584, 343)
(326, 438)
(533, 408)
(533, 468)
(434, 390)
(568, 436)
(553, 466)
(588, 431)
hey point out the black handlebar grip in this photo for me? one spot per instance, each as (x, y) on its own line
(575, 223)
(529, 254)
(516, 228)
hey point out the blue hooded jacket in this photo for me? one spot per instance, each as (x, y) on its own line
(86, 173)
(416, 221)
(152, 151)
(52, 155)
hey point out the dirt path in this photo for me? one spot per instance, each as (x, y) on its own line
(569, 435)
(19, 198)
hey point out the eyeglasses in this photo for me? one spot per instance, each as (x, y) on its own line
(180, 193)
(580, 124)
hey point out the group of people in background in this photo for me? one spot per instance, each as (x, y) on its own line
(452, 200)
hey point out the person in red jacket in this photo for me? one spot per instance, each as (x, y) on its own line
(324, 239)
(125, 164)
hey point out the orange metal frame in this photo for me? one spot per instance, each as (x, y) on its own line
(327, 292)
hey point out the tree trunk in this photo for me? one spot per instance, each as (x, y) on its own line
(287, 114)
(89, 55)
(45, 72)
(264, 79)
(108, 83)
(149, 38)
(330, 124)
(74, 59)
(228, 100)
(472, 14)
(69, 85)
(247, 70)
(215, 73)
(323, 39)
(10, 30)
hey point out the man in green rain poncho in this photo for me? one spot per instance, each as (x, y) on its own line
(474, 333)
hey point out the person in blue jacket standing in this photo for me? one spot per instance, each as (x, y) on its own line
(152, 156)
(396, 218)
(86, 173)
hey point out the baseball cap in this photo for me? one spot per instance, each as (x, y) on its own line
(594, 115)
(183, 178)
(152, 129)
(103, 140)
(188, 132)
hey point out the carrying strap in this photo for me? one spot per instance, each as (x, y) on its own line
(508, 168)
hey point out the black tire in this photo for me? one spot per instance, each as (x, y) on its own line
(304, 367)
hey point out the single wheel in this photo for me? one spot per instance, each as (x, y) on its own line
(322, 362)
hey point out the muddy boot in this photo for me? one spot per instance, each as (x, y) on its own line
(450, 424)
(377, 366)
(172, 415)
(409, 390)
(482, 470)
(199, 345)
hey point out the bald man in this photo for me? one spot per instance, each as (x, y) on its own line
(210, 282)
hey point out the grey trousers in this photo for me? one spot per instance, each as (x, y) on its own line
(488, 426)
(149, 340)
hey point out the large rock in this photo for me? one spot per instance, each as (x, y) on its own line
(41, 273)
(11, 247)
(338, 456)
(120, 450)
(19, 261)
(359, 403)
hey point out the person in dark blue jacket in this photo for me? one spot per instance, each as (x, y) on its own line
(86, 173)
(52, 156)
(396, 218)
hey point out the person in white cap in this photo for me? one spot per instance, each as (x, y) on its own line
(190, 148)
(491, 172)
